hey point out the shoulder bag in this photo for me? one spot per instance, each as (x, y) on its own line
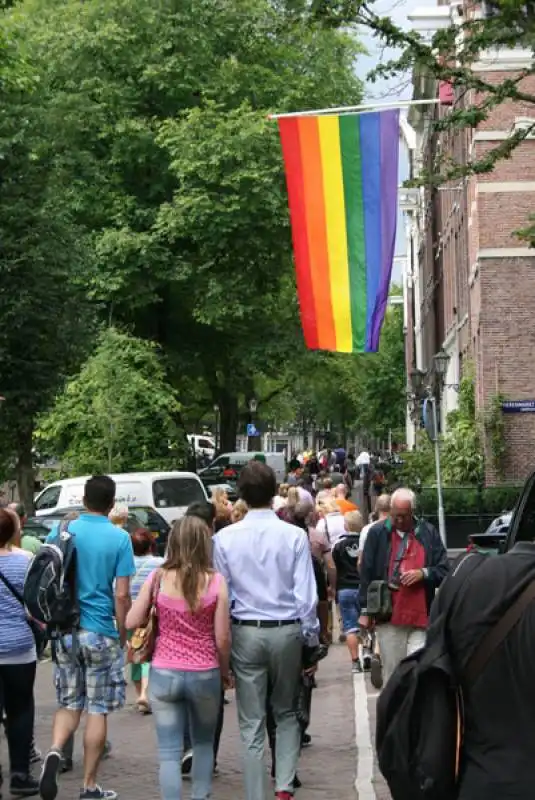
(143, 639)
(39, 632)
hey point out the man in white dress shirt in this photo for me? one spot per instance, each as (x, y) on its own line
(268, 566)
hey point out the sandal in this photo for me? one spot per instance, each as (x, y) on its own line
(143, 707)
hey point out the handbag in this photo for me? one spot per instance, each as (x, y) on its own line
(143, 640)
(39, 632)
(379, 601)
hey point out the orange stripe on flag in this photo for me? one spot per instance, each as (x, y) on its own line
(317, 231)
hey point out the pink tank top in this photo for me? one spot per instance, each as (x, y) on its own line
(186, 639)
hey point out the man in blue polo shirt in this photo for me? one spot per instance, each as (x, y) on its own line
(91, 678)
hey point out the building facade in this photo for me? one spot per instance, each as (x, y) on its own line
(470, 278)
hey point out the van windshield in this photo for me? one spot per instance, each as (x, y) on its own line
(176, 492)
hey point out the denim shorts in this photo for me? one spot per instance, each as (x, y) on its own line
(94, 680)
(349, 603)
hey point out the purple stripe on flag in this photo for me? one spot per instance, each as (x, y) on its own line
(389, 149)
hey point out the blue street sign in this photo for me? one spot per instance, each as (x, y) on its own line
(518, 406)
(251, 430)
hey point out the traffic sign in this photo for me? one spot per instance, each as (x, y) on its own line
(251, 429)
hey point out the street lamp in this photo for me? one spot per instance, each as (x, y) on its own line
(216, 437)
(440, 362)
(251, 439)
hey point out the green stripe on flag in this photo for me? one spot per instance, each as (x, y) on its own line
(356, 248)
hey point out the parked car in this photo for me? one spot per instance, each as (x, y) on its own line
(500, 524)
(522, 525)
(230, 490)
(138, 517)
(202, 445)
(169, 492)
(227, 467)
(490, 542)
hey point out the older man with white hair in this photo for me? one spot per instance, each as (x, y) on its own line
(404, 561)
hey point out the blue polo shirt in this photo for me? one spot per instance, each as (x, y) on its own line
(103, 553)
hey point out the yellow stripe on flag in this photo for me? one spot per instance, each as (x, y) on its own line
(335, 217)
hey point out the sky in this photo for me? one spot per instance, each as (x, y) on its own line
(383, 91)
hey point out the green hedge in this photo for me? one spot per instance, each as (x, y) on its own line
(469, 500)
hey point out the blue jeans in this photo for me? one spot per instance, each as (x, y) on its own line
(177, 697)
(349, 602)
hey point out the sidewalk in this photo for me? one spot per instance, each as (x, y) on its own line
(327, 768)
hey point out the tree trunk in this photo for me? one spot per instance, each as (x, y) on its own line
(228, 421)
(25, 472)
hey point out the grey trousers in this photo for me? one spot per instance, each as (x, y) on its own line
(260, 655)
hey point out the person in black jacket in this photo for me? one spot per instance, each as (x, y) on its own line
(410, 556)
(345, 555)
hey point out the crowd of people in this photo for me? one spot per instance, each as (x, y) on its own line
(245, 598)
(248, 584)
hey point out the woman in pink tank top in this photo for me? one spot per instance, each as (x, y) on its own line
(191, 657)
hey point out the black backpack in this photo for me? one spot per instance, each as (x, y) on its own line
(50, 586)
(419, 712)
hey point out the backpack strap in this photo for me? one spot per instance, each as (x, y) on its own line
(498, 633)
(14, 591)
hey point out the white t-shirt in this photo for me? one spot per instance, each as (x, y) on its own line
(278, 502)
(333, 526)
(364, 459)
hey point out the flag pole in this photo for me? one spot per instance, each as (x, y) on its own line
(362, 109)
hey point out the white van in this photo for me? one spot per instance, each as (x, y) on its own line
(169, 492)
(202, 445)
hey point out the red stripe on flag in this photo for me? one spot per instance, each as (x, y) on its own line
(291, 151)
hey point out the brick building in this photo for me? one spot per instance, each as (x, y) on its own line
(470, 280)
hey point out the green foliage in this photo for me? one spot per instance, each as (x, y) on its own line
(458, 500)
(118, 415)
(461, 449)
(494, 426)
(450, 55)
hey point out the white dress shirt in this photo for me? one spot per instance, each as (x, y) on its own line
(268, 568)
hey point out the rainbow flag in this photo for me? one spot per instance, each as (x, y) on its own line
(342, 178)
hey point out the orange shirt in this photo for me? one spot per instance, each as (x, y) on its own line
(346, 505)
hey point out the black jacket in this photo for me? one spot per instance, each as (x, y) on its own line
(376, 558)
(499, 732)
(345, 556)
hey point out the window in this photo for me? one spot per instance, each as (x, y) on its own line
(49, 498)
(220, 462)
(177, 492)
(206, 444)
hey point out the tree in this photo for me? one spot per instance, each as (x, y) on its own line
(118, 415)
(45, 320)
(179, 174)
(449, 55)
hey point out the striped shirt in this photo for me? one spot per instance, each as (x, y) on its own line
(16, 637)
(144, 566)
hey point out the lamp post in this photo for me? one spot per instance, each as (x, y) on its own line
(424, 389)
(216, 432)
(251, 440)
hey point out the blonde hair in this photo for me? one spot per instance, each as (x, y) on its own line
(118, 514)
(219, 497)
(283, 490)
(189, 552)
(239, 510)
(382, 504)
(293, 496)
(354, 522)
(328, 505)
